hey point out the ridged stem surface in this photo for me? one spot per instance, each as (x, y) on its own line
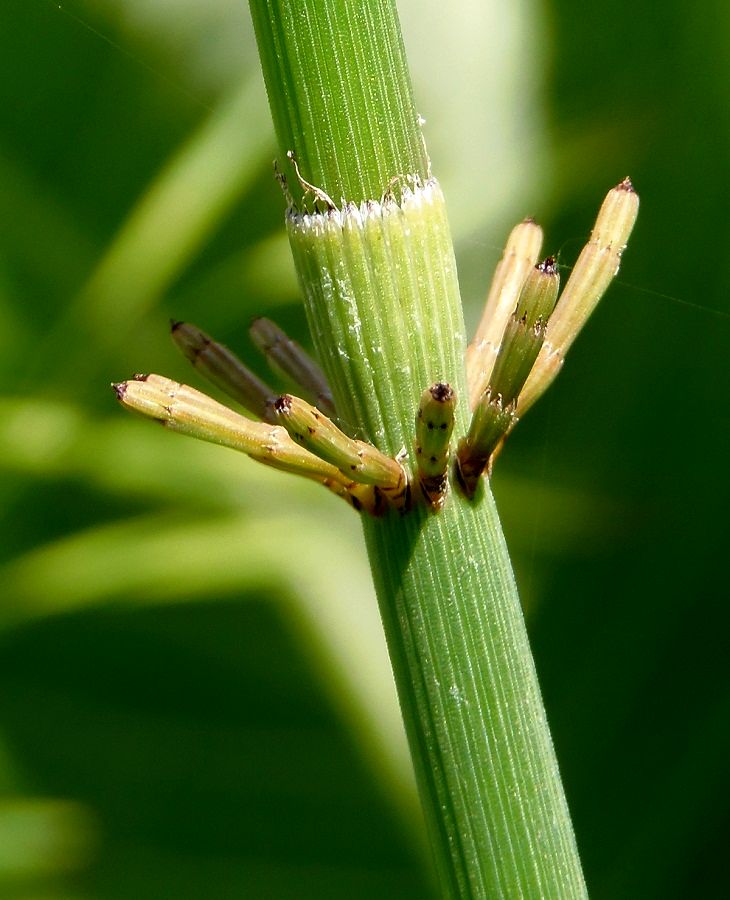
(381, 294)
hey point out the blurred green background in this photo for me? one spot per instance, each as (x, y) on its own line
(194, 695)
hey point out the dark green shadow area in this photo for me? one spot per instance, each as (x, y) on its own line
(198, 739)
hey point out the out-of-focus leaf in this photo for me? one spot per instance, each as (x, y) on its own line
(211, 745)
(171, 221)
(39, 838)
(479, 87)
(330, 601)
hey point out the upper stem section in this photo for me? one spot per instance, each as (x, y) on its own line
(349, 142)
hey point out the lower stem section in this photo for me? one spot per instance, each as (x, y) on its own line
(382, 299)
(484, 759)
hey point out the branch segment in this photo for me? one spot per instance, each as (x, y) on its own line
(224, 369)
(187, 411)
(597, 266)
(521, 253)
(434, 425)
(533, 342)
(285, 355)
(525, 331)
(366, 464)
(495, 412)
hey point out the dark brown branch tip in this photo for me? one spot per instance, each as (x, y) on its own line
(441, 392)
(175, 324)
(626, 185)
(548, 266)
(120, 389)
(282, 405)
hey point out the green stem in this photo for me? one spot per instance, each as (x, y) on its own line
(349, 143)
(381, 294)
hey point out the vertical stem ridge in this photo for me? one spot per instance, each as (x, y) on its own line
(520, 841)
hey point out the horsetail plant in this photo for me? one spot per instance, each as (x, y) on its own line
(370, 239)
